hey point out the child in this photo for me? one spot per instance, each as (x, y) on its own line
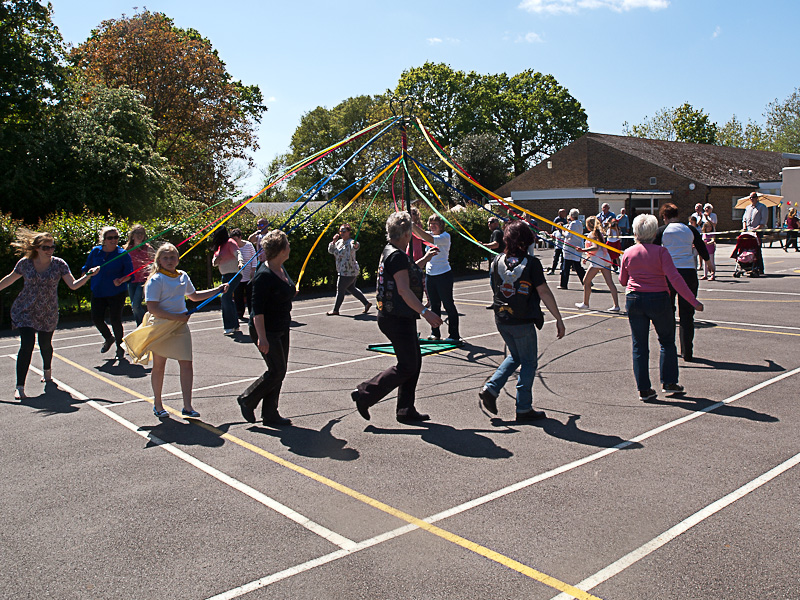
(612, 239)
(164, 331)
(599, 262)
(711, 245)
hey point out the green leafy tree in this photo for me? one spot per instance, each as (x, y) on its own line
(681, 124)
(783, 124)
(482, 155)
(532, 113)
(205, 119)
(750, 136)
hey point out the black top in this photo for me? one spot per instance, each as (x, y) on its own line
(272, 297)
(390, 302)
(515, 299)
(497, 236)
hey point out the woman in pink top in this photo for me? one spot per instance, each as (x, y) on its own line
(141, 255)
(228, 259)
(644, 271)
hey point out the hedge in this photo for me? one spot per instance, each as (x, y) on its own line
(76, 234)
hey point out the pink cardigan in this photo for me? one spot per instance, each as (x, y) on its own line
(647, 267)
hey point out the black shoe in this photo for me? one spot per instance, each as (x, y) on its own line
(106, 346)
(488, 400)
(410, 415)
(531, 415)
(361, 405)
(248, 413)
(276, 420)
(563, 287)
(672, 388)
(646, 395)
(688, 357)
(120, 351)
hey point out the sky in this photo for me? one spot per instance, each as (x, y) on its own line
(623, 60)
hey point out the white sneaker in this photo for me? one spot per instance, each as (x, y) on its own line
(229, 331)
(581, 305)
(614, 309)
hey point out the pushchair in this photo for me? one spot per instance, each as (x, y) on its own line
(747, 252)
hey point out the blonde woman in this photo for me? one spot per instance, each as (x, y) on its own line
(35, 310)
(600, 262)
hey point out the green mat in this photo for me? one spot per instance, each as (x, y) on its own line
(426, 347)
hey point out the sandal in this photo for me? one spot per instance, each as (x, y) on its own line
(19, 393)
(190, 414)
(161, 414)
(47, 375)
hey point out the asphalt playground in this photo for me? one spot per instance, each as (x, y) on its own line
(687, 497)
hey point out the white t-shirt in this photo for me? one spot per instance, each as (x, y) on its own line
(169, 292)
(441, 262)
(678, 239)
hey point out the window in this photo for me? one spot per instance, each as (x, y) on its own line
(652, 181)
(736, 213)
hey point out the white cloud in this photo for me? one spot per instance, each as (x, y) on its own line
(555, 7)
(530, 38)
(435, 40)
(717, 32)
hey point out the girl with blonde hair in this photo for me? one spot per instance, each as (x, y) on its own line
(164, 332)
(35, 310)
(600, 262)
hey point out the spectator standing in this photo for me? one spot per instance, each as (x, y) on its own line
(496, 240)
(792, 227)
(624, 224)
(711, 246)
(262, 227)
(228, 259)
(605, 214)
(141, 256)
(572, 249)
(558, 236)
(755, 219)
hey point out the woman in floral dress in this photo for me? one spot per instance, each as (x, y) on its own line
(35, 311)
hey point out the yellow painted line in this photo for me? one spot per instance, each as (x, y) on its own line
(377, 504)
(704, 300)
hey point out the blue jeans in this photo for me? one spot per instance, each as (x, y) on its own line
(644, 308)
(522, 353)
(230, 320)
(136, 294)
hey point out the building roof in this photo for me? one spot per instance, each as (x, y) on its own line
(715, 166)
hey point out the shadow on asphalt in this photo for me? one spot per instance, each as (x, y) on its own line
(694, 404)
(310, 442)
(120, 365)
(183, 433)
(464, 442)
(770, 367)
(570, 432)
(52, 401)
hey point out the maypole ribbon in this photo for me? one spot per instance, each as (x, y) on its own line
(305, 263)
(505, 202)
(371, 202)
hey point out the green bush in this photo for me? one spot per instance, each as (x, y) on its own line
(76, 234)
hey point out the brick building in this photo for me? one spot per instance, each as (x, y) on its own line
(641, 174)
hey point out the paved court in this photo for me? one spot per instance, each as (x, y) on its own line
(608, 497)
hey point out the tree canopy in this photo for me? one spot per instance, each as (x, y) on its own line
(205, 119)
(681, 124)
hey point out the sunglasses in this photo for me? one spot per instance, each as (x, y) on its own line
(111, 237)
(47, 248)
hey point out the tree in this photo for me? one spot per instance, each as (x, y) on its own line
(682, 124)
(32, 80)
(734, 134)
(783, 124)
(532, 113)
(482, 156)
(205, 119)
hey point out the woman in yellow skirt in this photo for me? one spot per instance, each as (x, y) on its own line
(164, 332)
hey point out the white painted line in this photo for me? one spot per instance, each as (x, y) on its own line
(259, 497)
(670, 534)
(747, 324)
(739, 291)
(270, 579)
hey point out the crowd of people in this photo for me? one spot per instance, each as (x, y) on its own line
(656, 270)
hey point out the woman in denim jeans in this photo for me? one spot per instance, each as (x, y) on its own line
(644, 271)
(518, 283)
(228, 259)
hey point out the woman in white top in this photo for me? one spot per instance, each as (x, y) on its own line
(241, 295)
(681, 241)
(572, 253)
(439, 277)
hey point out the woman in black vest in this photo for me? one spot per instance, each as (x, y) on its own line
(518, 283)
(399, 306)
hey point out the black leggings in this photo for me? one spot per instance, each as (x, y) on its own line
(27, 337)
(114, 304)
